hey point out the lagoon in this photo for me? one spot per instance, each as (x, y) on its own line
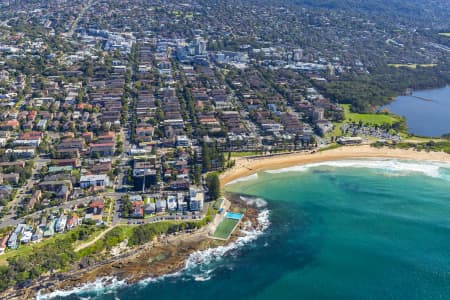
(427, 112)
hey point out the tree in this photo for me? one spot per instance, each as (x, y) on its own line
(127, 206)
(206, 158)
(213, 184)
(197, 174)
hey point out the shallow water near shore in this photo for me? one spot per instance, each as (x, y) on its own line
(376, 229)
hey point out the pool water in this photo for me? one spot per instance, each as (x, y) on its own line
(232, 215)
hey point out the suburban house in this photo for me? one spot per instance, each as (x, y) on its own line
(61, 224)
(95, 210)
(160, 206)
(138, 209)
(150, 208)
(73, 222)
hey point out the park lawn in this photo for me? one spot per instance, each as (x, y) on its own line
(412, 66)
(243, 154)
(224, 229)
(92, 236)
(374, 119)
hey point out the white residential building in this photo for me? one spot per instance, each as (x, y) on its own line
(101, 180)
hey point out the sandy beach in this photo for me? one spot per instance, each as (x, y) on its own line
(247, 166)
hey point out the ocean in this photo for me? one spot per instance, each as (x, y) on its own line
(353, 229)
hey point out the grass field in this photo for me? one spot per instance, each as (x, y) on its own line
(225, 228)
(242, 154)
(374, 119)
(412, 66)
(445, 34)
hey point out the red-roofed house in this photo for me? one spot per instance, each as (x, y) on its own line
(9, 124)
(73, 222)
(95, 210)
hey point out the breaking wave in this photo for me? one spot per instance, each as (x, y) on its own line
(242, 179)
(101, 286)
(257, 202)
(199, 266)
(431, 169)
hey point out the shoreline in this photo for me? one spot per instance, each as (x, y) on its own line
(246, 166)
(166, 255)
(169, 254)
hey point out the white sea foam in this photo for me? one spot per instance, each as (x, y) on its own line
(100, 286)
(242, 179)
(202, 278)
(432, 169)
(199, 265)
(146, 281)
(258, 202)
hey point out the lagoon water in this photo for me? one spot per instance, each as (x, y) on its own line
(338, 230)
(425, 118)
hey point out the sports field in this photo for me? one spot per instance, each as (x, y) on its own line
(225, 228)
(412, 66)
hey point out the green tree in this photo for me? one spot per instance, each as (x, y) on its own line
(213, 184)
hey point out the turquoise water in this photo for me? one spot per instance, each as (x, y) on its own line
(425, 118)
(340, 230)
(232, 215)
